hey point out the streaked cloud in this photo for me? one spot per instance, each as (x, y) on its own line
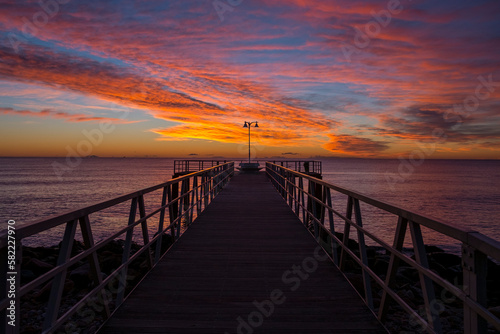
(348, 145)
(277, 62)
(68, 117)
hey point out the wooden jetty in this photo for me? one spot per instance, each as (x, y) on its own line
(214, 251)
(247, 264)
(309, 167)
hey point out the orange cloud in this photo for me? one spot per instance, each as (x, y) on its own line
(224, 100)
(349, 145)
(267, 63)
(74, 118)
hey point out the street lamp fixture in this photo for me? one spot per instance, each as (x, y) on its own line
(249, 125)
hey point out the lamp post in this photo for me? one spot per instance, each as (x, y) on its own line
(249, 125)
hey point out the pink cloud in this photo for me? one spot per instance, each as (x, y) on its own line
(73, 118)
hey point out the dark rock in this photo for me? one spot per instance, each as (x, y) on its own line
(78, 247)
(356, 281)
(495, 311)
(446, 259)
(408, 297)
(81, 276)
(37, 266)
(50, 259)
(407, 274)
(27, 275)
(44, 293)
(144, 266)
(371, 252)
(32, 330)
(433, 249)
(109, 262)
(438, 268)
(380, 266)
(114, 246)
(43, 252)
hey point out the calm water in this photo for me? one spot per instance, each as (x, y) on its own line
(464, 193)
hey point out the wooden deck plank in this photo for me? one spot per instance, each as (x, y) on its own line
(239, 251)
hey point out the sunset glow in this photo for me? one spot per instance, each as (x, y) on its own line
(323, 78)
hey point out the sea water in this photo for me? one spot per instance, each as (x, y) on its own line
(465, 193)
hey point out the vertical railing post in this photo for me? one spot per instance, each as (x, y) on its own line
(182, 205)
(296, 196)
(218, 179)
(199, 198)
(312, 208)
(160, 225)
(334, 245)
(347, 230)
(57, 288)
(425, 282)
(126, 253)
(95, 268)
(186, 184)
(192, 198)
(302, 199)
(474, 265)
(173, 200)
(291, 189)
(145, 232)
(363, 255)
(203, 189)
(171, 214)
(392, 269)
(211, 185)
(283, 184)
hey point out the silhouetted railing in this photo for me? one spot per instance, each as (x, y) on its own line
(311, 200)
(181, 199)
(185, 166)
(302, 166)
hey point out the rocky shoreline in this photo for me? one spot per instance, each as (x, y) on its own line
(39, 260)
(407, 285)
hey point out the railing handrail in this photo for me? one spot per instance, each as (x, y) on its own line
(199, 164)
(26, 230)
(472, 237)
(314, 206)
(187, 165)
(181, 197)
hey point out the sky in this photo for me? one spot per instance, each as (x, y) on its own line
(372, 79)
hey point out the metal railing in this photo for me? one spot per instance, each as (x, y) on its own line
(180, 199)
(183, 166)
(312, 202)
(302, 166)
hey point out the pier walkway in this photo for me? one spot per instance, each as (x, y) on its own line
(247, 265)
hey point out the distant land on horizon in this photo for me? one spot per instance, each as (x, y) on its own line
(241, 158)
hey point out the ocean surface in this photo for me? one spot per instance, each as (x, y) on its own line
(465, 193)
